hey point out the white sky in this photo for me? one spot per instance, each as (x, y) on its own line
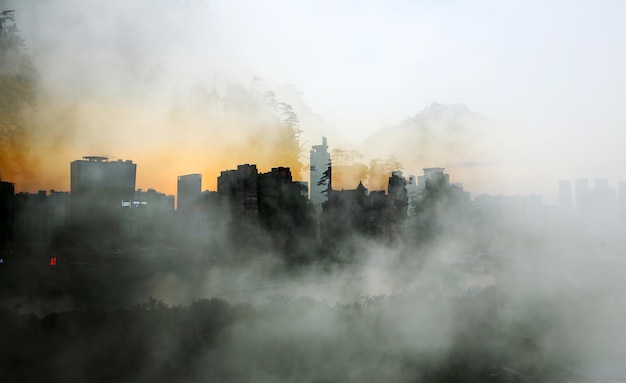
(550, 73)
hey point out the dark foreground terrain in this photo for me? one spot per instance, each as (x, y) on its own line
(416, 336)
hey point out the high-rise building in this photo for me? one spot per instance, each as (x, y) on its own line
(188, 192)
(149, 212)
(7, 211)
(98, 187)
(433, 175)
(319, 183)
(97, 176)
(239, 188)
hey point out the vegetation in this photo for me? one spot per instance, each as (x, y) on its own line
(408, 337)
(17, 81)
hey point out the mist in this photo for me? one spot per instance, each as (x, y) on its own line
(433, 256)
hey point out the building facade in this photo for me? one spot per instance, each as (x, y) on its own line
(98, 187)
(188, 192)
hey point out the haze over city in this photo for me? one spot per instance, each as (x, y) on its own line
(122, 79)
(276, 191)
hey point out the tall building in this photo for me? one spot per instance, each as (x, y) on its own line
(239, 188)
(434, 175)
(188, 192)
(95, 176)
(265, 209)
(150, 213)
(320, 163)
(98, 187)
(7, 212)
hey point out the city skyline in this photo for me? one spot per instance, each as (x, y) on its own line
(614, 187)
(129, 89)
(270, 190)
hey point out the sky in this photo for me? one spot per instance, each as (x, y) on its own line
(548, 75)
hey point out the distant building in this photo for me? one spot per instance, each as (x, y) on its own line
(398, 196)
(7, 212)
(320, 162)
(360, 212)
(603, 200)
(149, 214)
(601, 184)
(98, 175)
(40, 217)
(239, 188)
(98, 187)
(265, 209)
(432, 175)
(188, 192)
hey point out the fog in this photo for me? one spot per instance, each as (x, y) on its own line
(509, 99)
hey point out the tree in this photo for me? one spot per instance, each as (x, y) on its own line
(290, 134)
(17, 84)
(326, 179)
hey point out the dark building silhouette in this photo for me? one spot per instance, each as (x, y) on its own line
(39, 218)
(149, 216)
(98, 187)
(7, 212)
(432, 175)
(240, 190)
(205, 223)
(398, 201)
(283, 210)
(437, 206)
(188, 192)
(267, 210)
(358, 212)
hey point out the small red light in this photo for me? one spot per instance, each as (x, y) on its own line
(53, 261)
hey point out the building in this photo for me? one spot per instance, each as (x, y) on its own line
(188, 192)
(398, 195)
(583, 197)
(432, 175)
(40, 217)
(98, 187)
(7, 211)
(96, 180)
(149, 215)
(319, 183)
(360, 212)
(239, 189)
(265, 210)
